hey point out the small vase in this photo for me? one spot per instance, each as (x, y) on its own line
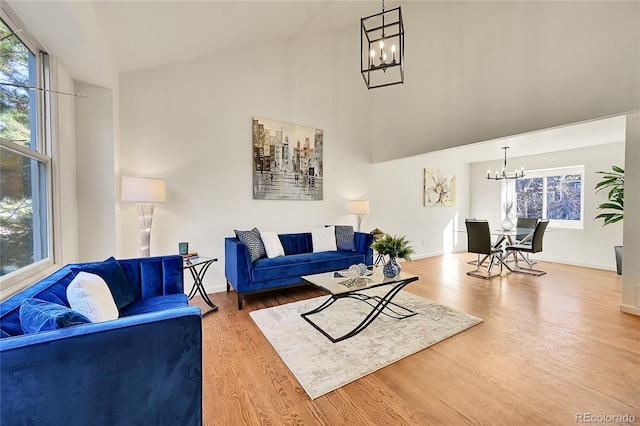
(391, 268)
(507, 225)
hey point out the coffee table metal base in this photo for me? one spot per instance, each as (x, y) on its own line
(380, 305)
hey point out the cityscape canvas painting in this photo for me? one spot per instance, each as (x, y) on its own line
(439, 188)
(287, 161)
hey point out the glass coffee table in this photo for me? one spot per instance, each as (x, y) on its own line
(340, 287)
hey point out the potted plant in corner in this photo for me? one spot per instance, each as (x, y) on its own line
(395, 247)
(614, 182)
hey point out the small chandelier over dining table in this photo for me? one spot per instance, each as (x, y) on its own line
(504, 173)
(382, 48)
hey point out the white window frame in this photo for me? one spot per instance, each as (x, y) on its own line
(557, 171)
(47, 147)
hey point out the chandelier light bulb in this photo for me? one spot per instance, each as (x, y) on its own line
(393, 48)
(381, 44)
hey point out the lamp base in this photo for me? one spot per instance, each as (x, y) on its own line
(145, 218)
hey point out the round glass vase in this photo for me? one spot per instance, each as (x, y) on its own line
(507, 224)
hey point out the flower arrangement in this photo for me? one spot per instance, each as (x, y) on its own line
(393, 247)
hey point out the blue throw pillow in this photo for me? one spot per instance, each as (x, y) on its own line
(345, 238)
(122, 290)
(253, 241)
(39, 315)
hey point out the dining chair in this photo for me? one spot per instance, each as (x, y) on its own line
(479, 242)
(525, 223)
(534, 247)
(523, 227)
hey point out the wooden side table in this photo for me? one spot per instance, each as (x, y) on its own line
(198, 268)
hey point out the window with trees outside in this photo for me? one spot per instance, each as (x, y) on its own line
(554, 194)
(25, 162)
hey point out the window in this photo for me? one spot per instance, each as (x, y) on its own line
(554, 194)
(25, 162)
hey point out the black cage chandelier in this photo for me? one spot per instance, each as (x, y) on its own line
(382, 48)
(504, 173)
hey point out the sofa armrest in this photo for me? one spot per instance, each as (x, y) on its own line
(237, 264)
(363, 241)
(143, 369)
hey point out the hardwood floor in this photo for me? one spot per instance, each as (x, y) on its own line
(550, 348)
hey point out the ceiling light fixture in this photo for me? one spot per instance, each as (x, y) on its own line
(382, 48)
(504, 174)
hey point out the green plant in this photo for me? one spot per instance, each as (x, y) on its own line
(393, 247)
(614, 181)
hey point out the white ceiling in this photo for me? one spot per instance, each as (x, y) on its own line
(147, 33)
(598, 132)
(143, 34)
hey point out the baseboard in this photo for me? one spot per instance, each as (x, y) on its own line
(582, 265)
(630, 309)
(216, 288)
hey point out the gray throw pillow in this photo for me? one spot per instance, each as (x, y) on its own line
(345, 238)
(253, 241)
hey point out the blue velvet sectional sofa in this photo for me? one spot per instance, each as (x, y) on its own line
(143, 368)
(268, 274)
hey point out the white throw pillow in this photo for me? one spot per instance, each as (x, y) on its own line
(272, 244)
(90, 295)
(324, 239)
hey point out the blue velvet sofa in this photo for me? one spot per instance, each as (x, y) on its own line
(268, 274)
(144, 367)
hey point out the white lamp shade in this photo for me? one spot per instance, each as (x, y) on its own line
(143, 190)
(358, 207)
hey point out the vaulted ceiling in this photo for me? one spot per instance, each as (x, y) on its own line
(96, 39)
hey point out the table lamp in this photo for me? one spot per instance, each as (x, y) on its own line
(359, 208)
(145, 192)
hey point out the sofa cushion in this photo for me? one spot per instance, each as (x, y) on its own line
(39, 315)
(296, 243)
(122, 290)
(155, 304)
(89, 295)
(272, 244)
(345, 238)
(254, 243)
(324, 239)
(303, 264)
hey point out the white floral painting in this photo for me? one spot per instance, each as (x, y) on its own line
(439, 188)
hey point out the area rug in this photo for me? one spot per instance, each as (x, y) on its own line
(321, 366)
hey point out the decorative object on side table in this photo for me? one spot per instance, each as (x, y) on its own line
(394, 247)
(183, 248)
(614, 181)
(377, 234)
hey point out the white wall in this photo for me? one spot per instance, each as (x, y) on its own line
(478, 71)
(397, 205)
(66, 170)
(591, 246)
(95, 173)
(630, 259)
(190, 124)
